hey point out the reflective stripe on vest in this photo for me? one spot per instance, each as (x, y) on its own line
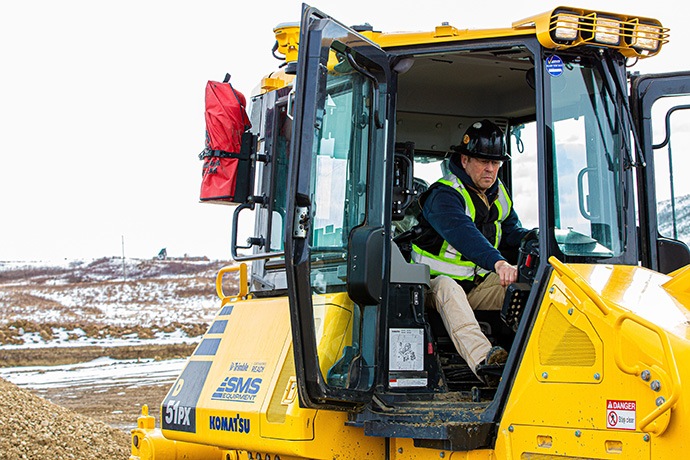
(449, 261)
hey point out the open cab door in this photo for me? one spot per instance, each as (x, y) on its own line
(335, 229)
(660, 104)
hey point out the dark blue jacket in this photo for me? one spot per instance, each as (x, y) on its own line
(444, 209)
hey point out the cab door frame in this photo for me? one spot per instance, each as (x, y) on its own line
(656, 251)
(313, 61)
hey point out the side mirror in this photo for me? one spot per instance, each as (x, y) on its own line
(365, 265)
(672, 254)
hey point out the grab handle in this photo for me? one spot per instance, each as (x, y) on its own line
(635, 370)
(570, 275)
(243, 285)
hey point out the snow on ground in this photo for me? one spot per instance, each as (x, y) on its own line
(144, 302)
(63, 338)
(80, 303)
(97, 375)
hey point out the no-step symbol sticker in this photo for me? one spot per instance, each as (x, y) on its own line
(620, 415)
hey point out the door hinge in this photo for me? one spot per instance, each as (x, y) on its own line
(301, 224)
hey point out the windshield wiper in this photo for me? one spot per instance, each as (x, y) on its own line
(609, 83)
(593, 92)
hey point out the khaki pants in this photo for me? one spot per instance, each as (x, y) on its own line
(456, 309)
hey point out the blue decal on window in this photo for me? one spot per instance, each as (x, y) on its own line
(554, 65)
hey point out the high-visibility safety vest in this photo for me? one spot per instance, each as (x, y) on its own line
(449, 261)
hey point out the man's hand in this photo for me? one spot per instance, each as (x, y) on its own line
(506, 272)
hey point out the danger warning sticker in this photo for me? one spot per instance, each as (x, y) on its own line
(620, 415)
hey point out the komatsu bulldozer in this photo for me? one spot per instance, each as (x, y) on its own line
(327, 350)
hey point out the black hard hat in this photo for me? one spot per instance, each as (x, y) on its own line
(483, 140)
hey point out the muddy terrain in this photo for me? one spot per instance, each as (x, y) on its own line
(85, 313)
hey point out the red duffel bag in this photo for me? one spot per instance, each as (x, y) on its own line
(226, 175)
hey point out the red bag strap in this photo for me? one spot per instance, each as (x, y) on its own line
(244, 110)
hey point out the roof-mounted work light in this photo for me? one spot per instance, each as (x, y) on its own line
(632, 36)
(567, 27)
(646, 37)
(607, 31)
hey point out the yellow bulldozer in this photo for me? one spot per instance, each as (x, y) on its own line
(327, 351)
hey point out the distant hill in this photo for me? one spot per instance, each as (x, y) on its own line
(82, 303)
(665, 217)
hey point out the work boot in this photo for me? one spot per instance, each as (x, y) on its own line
(489, 370)
(497, 355)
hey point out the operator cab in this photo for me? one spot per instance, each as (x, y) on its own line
(439, 96)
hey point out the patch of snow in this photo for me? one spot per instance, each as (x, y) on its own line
(34, 340)
(99, 374)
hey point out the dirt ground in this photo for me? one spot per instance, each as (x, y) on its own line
(68, 355)
(32, 428)
(74, 422)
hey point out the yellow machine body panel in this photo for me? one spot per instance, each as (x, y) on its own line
(603, 353)
(246, 398)
(596, 340)
(238, 389)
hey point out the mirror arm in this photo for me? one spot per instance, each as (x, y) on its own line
(252, 241)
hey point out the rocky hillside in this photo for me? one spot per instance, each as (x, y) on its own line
(101, 302)
(682, 212)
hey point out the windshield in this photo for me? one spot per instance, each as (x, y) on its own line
(587, 169)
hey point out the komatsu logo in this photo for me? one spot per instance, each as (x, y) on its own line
(239, 389)
(235, 424)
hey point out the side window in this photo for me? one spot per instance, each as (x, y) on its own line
(339, 176)
(428, 169)
(338, 189)
(279, 183)
(671, 139)
(523, 150)
(587, 171)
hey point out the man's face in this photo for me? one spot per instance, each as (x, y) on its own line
(482, 172)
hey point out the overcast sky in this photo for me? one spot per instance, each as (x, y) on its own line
(101, 109)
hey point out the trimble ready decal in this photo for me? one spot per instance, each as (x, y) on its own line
(235, 424)
(179, 407)
(253, 367)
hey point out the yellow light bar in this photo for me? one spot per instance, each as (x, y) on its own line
(607, 31)
(632, 36)
(646, 37)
